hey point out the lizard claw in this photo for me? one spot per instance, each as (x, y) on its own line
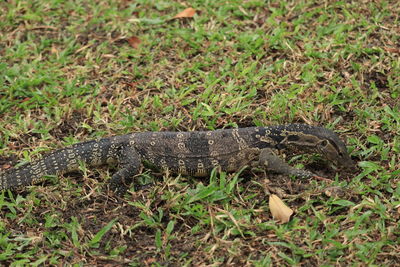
(118, 188)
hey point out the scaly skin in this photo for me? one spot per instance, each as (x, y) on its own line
(190, 153)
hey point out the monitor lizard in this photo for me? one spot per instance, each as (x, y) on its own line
(194, 153)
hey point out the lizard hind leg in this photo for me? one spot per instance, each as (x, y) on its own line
(130, 163)
(269, 160)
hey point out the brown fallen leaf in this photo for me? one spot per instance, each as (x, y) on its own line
(187, 13)
(134, 41)
(149, 261)
(279, 210)
(392, 50)
(54, 50)
(5, 167)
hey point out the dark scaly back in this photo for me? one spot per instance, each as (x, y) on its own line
(195, 153)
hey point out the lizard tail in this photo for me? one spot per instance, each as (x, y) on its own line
(60, 161)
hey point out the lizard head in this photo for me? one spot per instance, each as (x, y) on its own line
(320, 140)
(335, 150)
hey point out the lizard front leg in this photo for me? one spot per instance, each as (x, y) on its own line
(130, 162)
(269, 160)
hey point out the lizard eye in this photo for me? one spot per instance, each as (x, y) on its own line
(324, 143)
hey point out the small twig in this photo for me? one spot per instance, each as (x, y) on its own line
(320, 178)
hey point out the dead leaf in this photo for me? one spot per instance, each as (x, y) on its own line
(149, 261)
(134, 41)
(187, 13)
(131, 84)
(5, 167)
(392, 50)
(54, 50)
(279, 210)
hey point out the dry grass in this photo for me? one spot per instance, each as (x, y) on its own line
(67, 74)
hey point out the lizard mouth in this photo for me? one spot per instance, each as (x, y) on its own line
(347, 164)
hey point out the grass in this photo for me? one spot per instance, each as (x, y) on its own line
(67, 74)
